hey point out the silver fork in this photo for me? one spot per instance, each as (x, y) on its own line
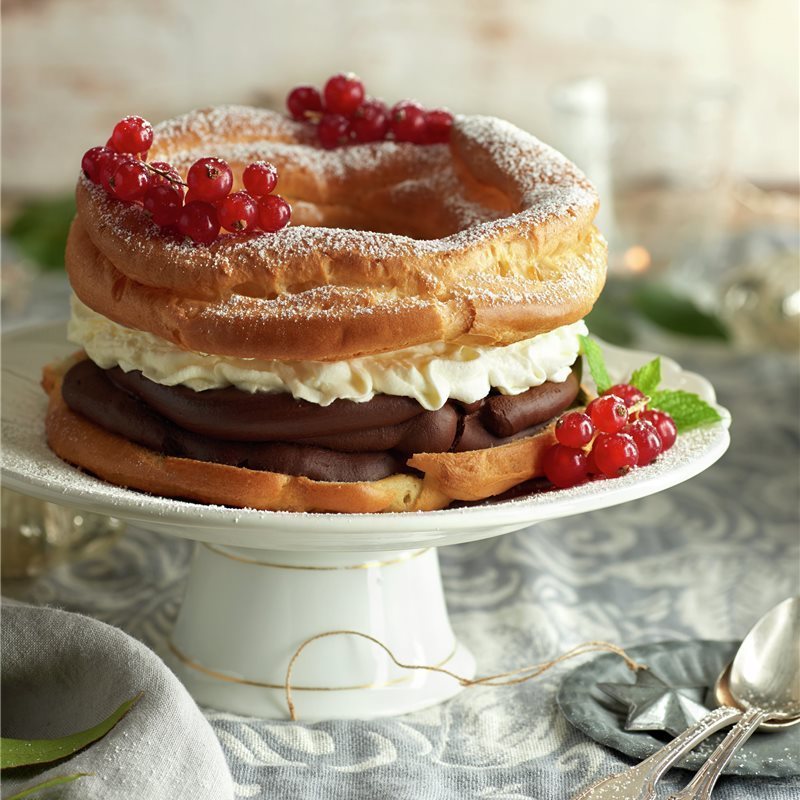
(639, 782)
(701, 786)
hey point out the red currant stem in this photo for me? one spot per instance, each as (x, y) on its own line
(639, 405)
(166, 175)
(590, 444)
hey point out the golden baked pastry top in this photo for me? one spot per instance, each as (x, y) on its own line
(487, 239)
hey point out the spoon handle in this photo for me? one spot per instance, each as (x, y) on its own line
(639, 782)
(702, 784)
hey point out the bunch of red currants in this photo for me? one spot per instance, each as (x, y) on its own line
(616, 433)
(197, 208)
(343, 114)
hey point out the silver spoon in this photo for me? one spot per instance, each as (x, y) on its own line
(765, 681)
(723, 696)
(639, 782)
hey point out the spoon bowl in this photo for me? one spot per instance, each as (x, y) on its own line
(723, 696)
(765, 672)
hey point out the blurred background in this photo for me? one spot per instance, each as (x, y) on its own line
(684, 114)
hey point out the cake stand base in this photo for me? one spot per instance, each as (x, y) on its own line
(247, 611)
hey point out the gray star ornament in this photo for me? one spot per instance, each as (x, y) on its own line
(654, 705)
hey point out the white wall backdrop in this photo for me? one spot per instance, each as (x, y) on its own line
(71, 68)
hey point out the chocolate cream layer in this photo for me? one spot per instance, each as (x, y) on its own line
(345, 441)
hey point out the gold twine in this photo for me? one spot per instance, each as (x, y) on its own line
(510, 678)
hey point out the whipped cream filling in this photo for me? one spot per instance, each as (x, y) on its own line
(430, 373)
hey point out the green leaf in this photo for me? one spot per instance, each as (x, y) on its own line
(48, 784)
(688, 410)
(23, 752)
(40, 230)
(647, 378)
(597, 364)
(676, 313)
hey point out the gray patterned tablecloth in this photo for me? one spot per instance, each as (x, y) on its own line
(702, 560)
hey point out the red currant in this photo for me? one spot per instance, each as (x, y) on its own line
(130, 180)
(193, 198)
(132, 135)
(343, 94)
(438, 124)
(108, 164)
(198, 221)
(302, 100)
(161, 166)
(564, 466)
(209, 179)
(260, 178)
(91, 161)
(164, 203)
(591, 464)
(629, 395)
(665, 426)
(238, 212)
(170, 176)
(614, 453)
(333, 131)
(574, 429)
(274, 213)
(648, 442)
(609, 413)
(408, 122)
(370, 123)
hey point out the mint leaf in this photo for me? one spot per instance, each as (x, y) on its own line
(647, 378)
(688, 410)
(597, 364)
(48, 784)
(23, 752)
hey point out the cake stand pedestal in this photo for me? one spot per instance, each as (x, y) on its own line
(261, 583)
(247, 611)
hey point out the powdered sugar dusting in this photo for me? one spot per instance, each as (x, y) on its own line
(539, 177)
(541, 183)
(326, 302)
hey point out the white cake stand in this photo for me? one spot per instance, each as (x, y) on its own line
(263, 582)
